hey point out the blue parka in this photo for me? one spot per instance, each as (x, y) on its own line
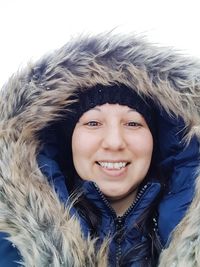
(38, 225)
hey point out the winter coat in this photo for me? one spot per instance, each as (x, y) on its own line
(41, 226)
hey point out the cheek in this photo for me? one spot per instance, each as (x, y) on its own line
(142, 145)
(84, 147)
(83, 144)
(79, 145)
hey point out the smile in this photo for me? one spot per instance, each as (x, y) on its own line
(112, 165)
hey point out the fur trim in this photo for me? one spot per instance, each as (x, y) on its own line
(184, 249)
(29, 209)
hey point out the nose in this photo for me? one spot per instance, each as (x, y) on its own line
(113, 138)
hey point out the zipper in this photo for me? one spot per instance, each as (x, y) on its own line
(106, 202)
(138, 196)
(159, 245)
(118, 238)
(119, 220)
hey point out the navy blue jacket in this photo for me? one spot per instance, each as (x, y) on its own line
(9, 255)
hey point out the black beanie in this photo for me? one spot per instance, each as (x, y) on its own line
(115, 94)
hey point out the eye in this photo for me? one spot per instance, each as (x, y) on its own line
(133, 124)
(92, 123)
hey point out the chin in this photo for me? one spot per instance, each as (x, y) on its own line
(116, 195)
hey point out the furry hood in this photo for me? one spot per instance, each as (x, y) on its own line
(30, 211)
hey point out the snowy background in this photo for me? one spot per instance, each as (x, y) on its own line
(30, 28)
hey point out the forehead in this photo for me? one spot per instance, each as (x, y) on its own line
(112, 107)
(109, 110)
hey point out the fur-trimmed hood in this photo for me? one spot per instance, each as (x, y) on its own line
(30, 211)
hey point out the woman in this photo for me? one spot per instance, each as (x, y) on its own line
(114, 125)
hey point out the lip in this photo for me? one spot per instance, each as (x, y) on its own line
(113, 161)
(114, 172)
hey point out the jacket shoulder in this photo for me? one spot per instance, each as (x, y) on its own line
(9, 255)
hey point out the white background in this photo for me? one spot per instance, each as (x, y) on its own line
(30, 28)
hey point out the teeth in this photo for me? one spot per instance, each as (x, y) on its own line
(113, 165)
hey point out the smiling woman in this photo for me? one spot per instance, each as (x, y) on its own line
(112, 147)
(112, 131)
(99, 152)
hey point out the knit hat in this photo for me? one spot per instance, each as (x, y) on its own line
(115, 94)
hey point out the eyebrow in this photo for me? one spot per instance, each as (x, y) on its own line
(132, 110)
(95, 108)
(98, 109)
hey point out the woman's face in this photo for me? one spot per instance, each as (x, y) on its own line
(112, 146)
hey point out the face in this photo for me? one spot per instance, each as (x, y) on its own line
(112, 146)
